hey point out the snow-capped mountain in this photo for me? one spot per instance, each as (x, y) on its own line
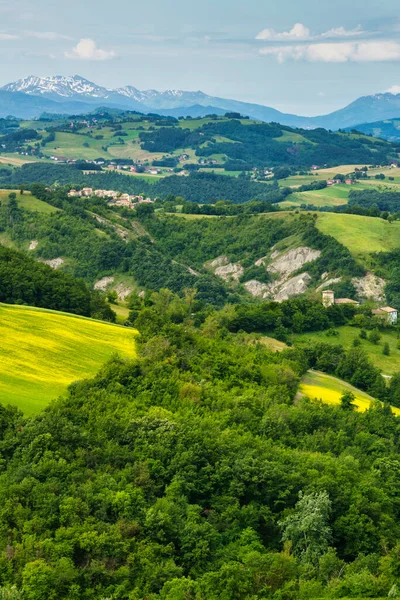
(65, 87)
(82, 92)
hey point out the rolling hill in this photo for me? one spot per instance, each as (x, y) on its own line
(42, 352)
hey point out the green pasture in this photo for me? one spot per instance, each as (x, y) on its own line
(346, 334)
(361, 235)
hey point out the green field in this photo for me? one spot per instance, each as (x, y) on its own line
(319, 386)
(335, 195)
(388, 364)
(42, 352)
(28, 202)
(361, 235)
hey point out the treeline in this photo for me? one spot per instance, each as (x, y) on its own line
(193, 473)
(25, 281)
(298, 315)
(370, 199)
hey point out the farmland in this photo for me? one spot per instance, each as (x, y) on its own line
(361, 235)
(42, 352)
(345, 336)
(319, 386)
(28, 202)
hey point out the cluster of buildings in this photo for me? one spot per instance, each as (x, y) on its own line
(386, 313)
(115, 198)
(331, 182)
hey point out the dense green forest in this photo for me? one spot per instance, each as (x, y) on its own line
(26, 281)
(192, 473)
(384, 200)
(197, 187)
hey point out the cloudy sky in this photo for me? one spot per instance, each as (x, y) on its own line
(302, 56)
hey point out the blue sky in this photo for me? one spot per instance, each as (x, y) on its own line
(301, 56)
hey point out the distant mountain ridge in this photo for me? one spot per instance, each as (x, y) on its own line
(86, 95)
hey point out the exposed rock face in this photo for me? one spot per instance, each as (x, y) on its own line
(230, 271)
(55, 263)
(328, 283)
(123, 291)
(293, 260)
(220, 261)
(279, 290)
(293, 287)
(227, 271)
(370, 286)
(102, 284)
(256, 288)
(33, 245)
(283, 265)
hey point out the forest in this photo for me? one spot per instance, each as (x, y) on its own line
(192, 473)
(202, 188)
(383, 200)
(259, 144)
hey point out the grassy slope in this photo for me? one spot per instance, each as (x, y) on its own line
(28, 201)
(317, 385)
(42, 352)
(336, 195)
(362, 235)
(388, 364)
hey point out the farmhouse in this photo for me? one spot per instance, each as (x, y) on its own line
(390, 315)
(349, 182)
(328, 299)
(87, 192)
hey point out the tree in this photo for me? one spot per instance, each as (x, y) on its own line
(363, 334)
(308, 527)
(346, 400)
(386, 349)
(374, 337)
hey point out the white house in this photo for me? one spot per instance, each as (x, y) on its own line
(388, 313)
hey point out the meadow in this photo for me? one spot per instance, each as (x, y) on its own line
(361, 235)
(28, 202)
(42, 352)
(319, 386)
(336, 195)
(346, 334)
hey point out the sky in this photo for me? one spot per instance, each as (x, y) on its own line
(306, 57)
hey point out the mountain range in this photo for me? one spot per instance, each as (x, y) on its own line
(29, 97)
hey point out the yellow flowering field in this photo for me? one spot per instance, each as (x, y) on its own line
(329, 389)
(43, 351)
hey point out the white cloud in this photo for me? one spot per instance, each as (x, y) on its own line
(395, 89)
(86, 49)
(47, 35)
(300, 32)
(342, 32)
(8, 36)
(340, 52)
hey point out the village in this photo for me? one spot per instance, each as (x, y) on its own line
(115, 198)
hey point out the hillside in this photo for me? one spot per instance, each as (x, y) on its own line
(187, 472)
(42, 352)
(389, 129)
(234, 144)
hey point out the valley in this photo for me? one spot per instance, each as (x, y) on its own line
(173, 380)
